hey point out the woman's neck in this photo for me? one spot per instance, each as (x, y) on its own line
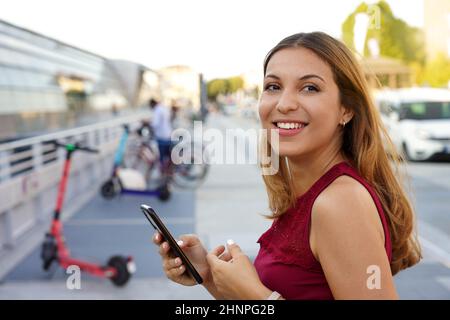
(306, 170)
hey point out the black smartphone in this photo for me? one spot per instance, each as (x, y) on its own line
(156, 222)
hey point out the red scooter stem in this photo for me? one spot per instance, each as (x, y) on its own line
(63, 185)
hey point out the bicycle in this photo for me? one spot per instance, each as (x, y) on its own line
(143, 155)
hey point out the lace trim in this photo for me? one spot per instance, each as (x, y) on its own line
(285, 241)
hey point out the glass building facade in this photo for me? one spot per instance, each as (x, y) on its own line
(47, 85)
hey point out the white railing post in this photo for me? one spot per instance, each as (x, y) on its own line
(106, 161)
(39, 210)
(94, 166)
(4, 166)
(7, 229)
(5, 217)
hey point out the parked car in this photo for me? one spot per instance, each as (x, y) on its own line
(418, 121)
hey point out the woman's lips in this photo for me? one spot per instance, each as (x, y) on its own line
(288, 132)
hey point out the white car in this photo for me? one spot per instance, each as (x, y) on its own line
(418, 121)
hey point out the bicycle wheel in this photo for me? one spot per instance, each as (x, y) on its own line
(190, 175)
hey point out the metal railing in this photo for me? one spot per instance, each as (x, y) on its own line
(30, 170)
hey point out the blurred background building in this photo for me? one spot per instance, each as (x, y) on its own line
(388, 72)
(47, 85)
(139, 83)
(181, 84)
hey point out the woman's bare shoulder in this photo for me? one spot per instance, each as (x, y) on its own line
(347, 205)
(344, 196)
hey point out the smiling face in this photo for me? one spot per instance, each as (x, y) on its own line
(301, 102)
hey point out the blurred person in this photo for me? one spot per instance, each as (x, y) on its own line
(342, 224)
(174, 115)
(114, 110)
(162, 129)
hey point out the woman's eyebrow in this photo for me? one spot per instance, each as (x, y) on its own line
(308, 76)
(305, 77)
(272, 76)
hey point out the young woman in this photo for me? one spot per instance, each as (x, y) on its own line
(342, 225)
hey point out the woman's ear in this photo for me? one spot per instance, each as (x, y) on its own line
(346, 114)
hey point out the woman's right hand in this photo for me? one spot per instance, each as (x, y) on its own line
(173, 267)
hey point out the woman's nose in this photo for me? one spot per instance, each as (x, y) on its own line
(288, 102)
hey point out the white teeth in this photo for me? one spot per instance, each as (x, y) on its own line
(289, 125)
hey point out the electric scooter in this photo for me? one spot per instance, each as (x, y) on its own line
(118, 268)
(129, 181)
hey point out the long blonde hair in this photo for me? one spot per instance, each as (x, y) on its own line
(364, 143)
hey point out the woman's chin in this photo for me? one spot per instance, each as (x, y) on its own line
(290, 152)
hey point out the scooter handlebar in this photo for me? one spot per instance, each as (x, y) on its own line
(126, 127)
(87, 149)
(58, 144)
(75, 147)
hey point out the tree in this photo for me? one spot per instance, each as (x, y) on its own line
(235, 83)
(223, 86)
(437, 71)
(216, 87)
(395, 37)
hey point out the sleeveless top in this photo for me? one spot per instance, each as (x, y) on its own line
(285, 262)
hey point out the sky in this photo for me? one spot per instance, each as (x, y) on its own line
(217, 38)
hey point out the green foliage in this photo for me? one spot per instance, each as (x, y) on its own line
(395, 37)
(235, 83)
(216, 87)
(223, 86)
(437, 71)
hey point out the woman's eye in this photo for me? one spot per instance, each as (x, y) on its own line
(310, 88)
(271, 87)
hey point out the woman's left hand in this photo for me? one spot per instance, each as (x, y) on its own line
(236, 277)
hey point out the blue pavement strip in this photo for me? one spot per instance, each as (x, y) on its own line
(104, 228)
(432, 203)
(421, 282)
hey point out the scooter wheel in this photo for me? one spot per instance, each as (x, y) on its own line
(123, 274)
(108, 190)
(49, 252)
(164, 193)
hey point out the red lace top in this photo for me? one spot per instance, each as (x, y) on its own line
(285, 262)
